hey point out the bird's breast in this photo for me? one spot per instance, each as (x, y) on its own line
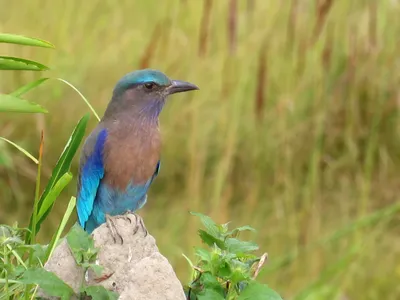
(131, 156)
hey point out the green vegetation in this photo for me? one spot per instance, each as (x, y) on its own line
(295, 129)
(229, 269)
(21, 258)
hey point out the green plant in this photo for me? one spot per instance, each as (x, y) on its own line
(85, 253)
(322, 154)
(228, 268)
(21, 257)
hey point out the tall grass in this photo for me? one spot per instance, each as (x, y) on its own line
(295, 130)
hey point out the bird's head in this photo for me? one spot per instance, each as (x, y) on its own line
(144, 92)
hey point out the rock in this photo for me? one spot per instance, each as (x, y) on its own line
(136, 269)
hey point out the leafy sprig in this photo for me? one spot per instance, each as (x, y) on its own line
(228, 268)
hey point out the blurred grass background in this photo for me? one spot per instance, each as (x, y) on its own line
(295, 129)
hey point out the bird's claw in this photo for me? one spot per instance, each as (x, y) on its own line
(139, 223)
(114, 231)
(139, 220)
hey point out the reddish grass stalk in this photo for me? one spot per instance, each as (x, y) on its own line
(261, 83)
(292, 22)
(232, 26)
(327, 52)
(151, 48)
(372, 28)
(204, 27)
(351, 61)
(323, 8)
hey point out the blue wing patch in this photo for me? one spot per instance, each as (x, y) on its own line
(91, 173)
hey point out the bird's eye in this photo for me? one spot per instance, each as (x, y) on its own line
(149, 85)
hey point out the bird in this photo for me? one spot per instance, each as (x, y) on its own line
(120, 158)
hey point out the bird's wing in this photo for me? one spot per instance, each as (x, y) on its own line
(91, 172)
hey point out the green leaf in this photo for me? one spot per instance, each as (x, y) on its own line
(204, 255)
(27, 87)
(224, 270)
(97, 269)
(51, 197)
(236, 246)
(78, 238)
(63, 164)
(99, 292)
(209, 224)
(240, 271)
(56, 237)
(210, 294)
(20, 64)
(235, 231)
(48, 281)
(24, 40)
(14, 104)
(81, 244)
(38, 254)
(210, 282)
(211, 240)
(258, 291)
(21, 149)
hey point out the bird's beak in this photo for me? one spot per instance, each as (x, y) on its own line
(178, 86)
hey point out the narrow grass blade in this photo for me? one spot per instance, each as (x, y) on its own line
(24, 40)
(26, 88)
(37, 189)
(14, 289)
(51, 197)
(189, 261)
(56, 237)
(4, 281)
(329, 273)
(83, 97)
(21, 149)
(10, 103)
(17, 256)
(63, 164)
(369, 220)
(20, 64)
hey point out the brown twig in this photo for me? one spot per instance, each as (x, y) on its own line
(263, 258)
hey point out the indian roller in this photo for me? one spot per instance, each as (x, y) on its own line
(121, 156)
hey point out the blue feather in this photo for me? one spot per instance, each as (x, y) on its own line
(115, 202)
(91, 174)
(141, 76)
